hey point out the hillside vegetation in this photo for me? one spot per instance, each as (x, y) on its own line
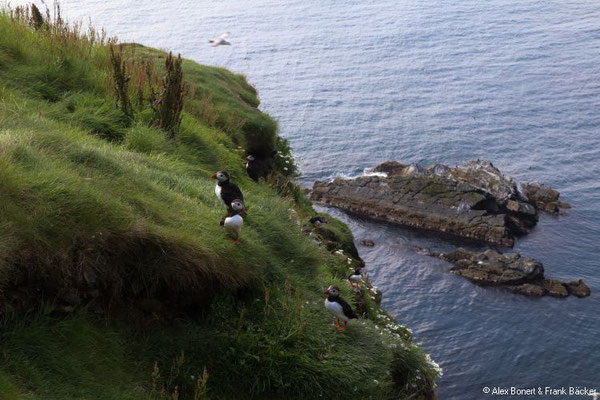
(116, 280)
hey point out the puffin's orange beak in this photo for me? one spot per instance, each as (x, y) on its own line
(326, 293)
(213, 176)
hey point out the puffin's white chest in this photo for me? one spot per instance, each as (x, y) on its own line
(336, 309)
(233, 223)
(218, 192)
(355, 278)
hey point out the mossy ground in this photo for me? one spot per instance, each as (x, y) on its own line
(109, 210)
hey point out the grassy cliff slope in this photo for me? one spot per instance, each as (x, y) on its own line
(116, 280)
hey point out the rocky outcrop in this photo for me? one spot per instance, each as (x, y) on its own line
(475, 201)
(544, 197)
(519, 274)
(578, 288)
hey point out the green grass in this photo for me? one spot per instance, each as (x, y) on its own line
(112, 260)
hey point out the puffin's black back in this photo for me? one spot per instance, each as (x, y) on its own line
(253, 170)
(348, 311)
(230, 192)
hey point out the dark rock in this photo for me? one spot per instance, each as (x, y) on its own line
(578, 288)
(528, 289)
(415, 169)
(493, 268)
(483, 175)
(520, 207)
(554, 288)
(543, 197)
(519, 274)
(367, 242)
(440, 169)
(551, 208)
(520, 226)
(475, 201)
(563, 204)
(390, 168)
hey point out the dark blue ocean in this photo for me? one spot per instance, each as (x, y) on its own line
(354, 83)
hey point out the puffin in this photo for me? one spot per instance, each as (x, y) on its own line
(234, 221)
(252, 168)
(317, 221)
(356, 277)
(226, 191)
(338, 307)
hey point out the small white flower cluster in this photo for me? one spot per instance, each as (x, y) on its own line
(288, 159)
(387, 325)
(434, 365)
(390, 333)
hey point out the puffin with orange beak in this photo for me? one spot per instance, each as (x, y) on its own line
(338, 307)
(226, 191)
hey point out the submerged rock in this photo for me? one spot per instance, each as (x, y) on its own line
(367, 243)
(475, 201)
(519, 274)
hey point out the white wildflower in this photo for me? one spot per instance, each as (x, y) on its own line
(434, 365)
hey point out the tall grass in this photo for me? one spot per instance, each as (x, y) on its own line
(121, 80)
(168, 103)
